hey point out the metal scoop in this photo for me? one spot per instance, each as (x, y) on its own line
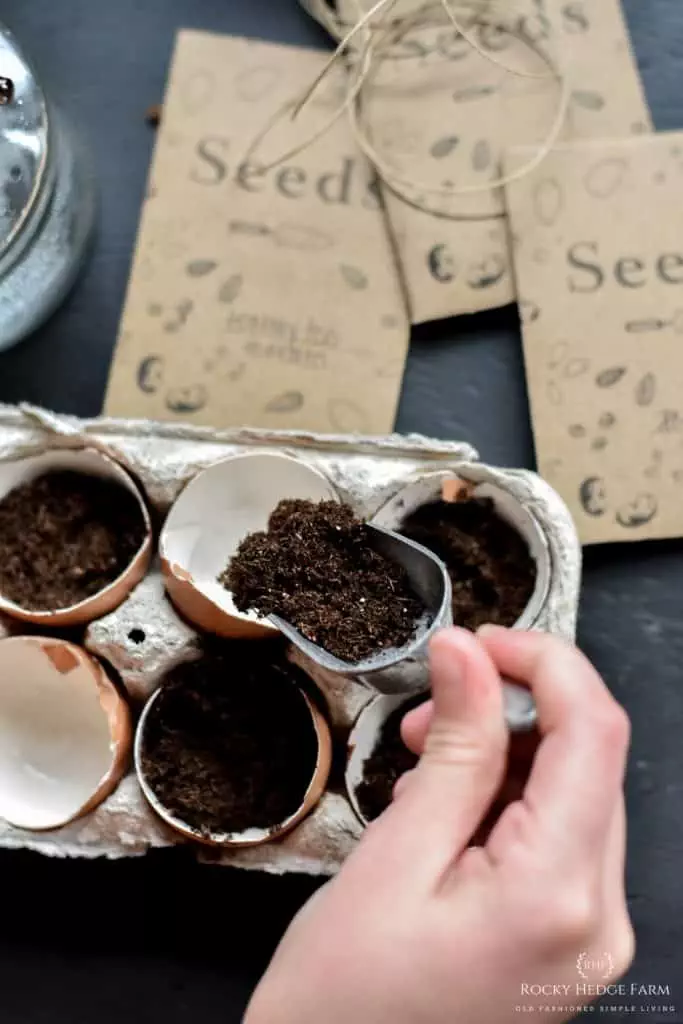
(402, 669)
(405, 670)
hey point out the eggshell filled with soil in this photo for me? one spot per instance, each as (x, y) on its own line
(217, 510)
(476, 529)
(65, 733)
(231, 751)
(377, 757)
(75, 537)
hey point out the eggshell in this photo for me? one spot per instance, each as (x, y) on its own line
(363, 740)
(520, 714)
(447, 487)
(252, 836)
(216, 511)
(65, 733)
(93, 463)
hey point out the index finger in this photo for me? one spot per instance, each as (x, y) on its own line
(578, 772)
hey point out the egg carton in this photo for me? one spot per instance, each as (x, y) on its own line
(145, 637)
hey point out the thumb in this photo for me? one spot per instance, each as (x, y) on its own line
(463, 762)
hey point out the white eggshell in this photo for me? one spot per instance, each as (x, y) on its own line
(217, 510)
(435, 486)
(65, 733)
(363, 740)
(251, 836)
(92, 463)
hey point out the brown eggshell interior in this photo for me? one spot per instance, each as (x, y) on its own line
(65, 733)
(216, 511)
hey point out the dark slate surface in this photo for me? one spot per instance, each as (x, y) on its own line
(161, 940)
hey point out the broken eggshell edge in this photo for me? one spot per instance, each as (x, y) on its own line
(218, 508)
(63, 658)
(89, 462)
(433, 486)
(252, 836)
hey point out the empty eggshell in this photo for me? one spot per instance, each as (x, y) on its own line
(92, 463)
(448, 486)
(216, 511)
(65, 733)
(251, 836)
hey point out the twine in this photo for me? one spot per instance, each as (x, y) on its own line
(326, 14)
(406, 187)
(378, 32)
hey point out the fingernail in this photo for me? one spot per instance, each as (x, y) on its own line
(449, 669)
(451, 633)
(490, 630)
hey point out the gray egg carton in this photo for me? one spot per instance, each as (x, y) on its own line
(145, 638)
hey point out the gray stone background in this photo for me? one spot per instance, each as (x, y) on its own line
(162, 939)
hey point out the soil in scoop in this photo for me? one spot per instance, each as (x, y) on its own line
(316, 568)
(387, 763)
(230, 743)
(64, 536)
(492, 572)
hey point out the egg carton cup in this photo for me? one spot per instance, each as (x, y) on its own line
(144, 638)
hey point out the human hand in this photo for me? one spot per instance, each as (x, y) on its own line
(421, 928)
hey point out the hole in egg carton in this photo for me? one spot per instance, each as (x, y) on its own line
(144, 638)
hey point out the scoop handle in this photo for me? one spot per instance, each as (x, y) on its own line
(520, 707)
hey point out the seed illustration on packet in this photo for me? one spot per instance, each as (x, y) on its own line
(259, 297)
(441, 115)
(598, 251)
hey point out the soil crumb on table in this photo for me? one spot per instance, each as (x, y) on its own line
(230, 743)
(491, 569)
(388, 762)
(65, 536)
(315, 568)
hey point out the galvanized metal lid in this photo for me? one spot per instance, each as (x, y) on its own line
(23, 141)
